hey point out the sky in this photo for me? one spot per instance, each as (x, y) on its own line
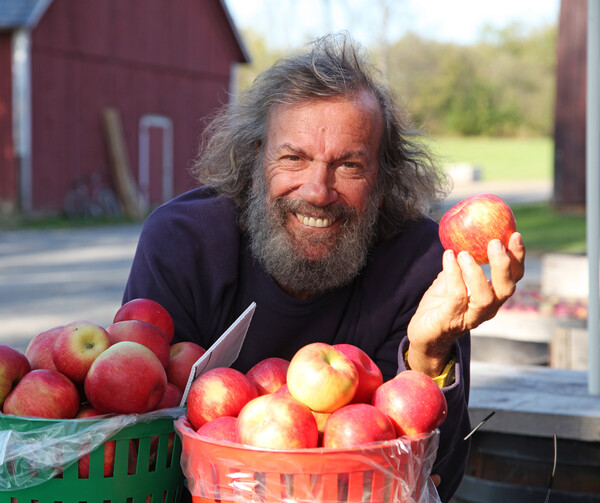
(290, 23)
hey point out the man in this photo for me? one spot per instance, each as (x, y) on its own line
(313, 206)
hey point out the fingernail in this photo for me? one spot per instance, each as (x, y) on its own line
(496, 246)
(519, 239)
(465, 258)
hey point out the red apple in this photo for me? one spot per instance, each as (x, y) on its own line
(171, 398)
(369, 374)
(182, 357)
(39, 349)
(472, 223)
(222, 428)
(322, 377)
(76, 346)
(126, 378)
(277, 421)
(87, 411)
(13, 366)
(83, 463)
(150, 311)
(320, 417)
(43, 393)
(357, 424)
(221, 391)
(269, 374)
(413, 401)
(144, 333)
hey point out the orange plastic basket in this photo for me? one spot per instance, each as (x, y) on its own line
(392, 471)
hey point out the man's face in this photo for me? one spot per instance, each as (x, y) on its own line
(319, 181)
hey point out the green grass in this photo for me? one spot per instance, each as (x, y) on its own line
(500, 158)
(546, 230)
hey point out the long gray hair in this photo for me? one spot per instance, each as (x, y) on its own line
(409, 180)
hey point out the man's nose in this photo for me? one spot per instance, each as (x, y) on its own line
(319, 186)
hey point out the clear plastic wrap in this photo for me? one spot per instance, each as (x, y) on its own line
(34, 450)
(395, 471)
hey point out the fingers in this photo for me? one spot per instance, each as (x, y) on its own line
(516, 252)
(502, 282)
(481, 293)
(454, 276)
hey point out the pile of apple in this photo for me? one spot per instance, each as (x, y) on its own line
(330, 396)
(83, 369)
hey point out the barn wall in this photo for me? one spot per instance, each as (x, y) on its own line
(8, 167)
(152, 57)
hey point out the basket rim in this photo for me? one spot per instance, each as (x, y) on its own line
(183, 427)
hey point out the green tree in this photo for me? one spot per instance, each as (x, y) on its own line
(503, 85)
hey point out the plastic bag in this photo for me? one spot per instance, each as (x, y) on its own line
(395, 471)
(34, 450)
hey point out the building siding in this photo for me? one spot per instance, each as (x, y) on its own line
(153, 57)
(8, 173)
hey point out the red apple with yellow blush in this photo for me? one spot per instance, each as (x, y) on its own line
(473, 222)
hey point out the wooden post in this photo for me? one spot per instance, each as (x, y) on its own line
(569, 118)
(127, 189)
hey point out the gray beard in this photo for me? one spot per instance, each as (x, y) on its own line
(282, 254)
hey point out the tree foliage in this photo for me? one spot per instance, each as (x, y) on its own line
(502, 85)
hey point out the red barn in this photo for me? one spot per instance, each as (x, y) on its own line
(162, 65)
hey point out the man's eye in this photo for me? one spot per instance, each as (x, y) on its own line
(292, 158)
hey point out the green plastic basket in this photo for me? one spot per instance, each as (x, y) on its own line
(149, 472)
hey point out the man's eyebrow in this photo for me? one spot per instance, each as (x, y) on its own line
(288, 147)
(351, 154)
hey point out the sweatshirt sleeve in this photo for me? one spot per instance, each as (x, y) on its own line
(451, 467)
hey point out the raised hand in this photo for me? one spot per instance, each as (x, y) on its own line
(460, 299)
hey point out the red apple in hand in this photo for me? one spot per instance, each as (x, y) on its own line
(221, 391)
(413, 401)
(322, 377)
(269, 375)
(13, 366)
(43, 393)
(357, 424)
(39, 349)
(147, 310)
(182, 357)
(76, 347)
(144, 333)
(277, 421)
(472, 223)
(369, 374)
(127, 378)
(220, 428)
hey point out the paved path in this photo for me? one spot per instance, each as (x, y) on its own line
(53, 277)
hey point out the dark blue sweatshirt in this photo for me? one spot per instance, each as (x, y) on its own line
(193, 259)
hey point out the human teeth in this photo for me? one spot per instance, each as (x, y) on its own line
(314, 222)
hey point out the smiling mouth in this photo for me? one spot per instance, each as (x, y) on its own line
(314, 222)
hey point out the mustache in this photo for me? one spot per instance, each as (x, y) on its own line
(284, 205)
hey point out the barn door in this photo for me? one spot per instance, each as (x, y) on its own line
(155, 170)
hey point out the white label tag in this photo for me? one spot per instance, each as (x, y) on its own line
(224, 351)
